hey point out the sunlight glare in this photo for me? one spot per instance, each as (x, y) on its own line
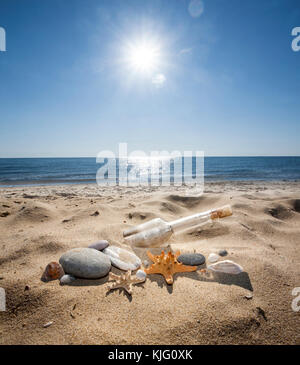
(143, 57)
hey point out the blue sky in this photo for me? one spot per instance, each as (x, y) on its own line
(226, 80)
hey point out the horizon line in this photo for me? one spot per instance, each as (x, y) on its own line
(65, 157)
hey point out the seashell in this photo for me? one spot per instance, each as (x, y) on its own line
(53, 271)
(48, 324)
(213, 257)
(248, 296)
(226, 266)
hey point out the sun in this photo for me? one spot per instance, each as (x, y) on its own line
(143, 57)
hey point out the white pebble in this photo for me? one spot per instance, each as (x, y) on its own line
(213, 257)
(140, 274)
(67, 279)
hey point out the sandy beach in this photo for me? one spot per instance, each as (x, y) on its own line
(38, 224)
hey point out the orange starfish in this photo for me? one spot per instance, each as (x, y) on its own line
(167, 265)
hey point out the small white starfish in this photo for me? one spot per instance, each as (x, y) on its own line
(124, 281)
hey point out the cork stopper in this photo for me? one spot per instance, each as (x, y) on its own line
(222, 212)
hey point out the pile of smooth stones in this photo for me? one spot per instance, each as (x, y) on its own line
(96, 260)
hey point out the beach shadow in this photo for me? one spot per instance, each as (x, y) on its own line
(129, 297)
(97, 282)
(161, 282)
(121, 291)
(216, 231)
(242, 279)
(88, 282)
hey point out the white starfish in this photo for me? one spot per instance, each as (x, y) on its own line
(124, 281)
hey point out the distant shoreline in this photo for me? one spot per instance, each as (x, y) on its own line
(66, 171)
(94, 190)
(93, 182)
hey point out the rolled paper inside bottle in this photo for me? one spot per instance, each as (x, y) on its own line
(191, 225)
(222, 212)
(150, 238)
(157, 222)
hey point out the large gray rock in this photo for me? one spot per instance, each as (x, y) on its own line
(122, 259)
(86, 263)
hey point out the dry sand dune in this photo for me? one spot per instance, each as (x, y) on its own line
(38, 224)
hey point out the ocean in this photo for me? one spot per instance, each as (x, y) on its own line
(45, 171)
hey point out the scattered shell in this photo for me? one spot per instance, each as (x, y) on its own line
(227, 267)
(47, 324)
(53, 271)
(140, 274)
(26, 287)
(213, 257)
(67, 279)
(249, 296)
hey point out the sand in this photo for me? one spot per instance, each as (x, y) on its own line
(38, 224)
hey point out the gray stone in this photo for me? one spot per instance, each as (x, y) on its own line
(122, 259)
(86, 263)
(99, 245)
(66, 279)
(223, 253)
(191, 259)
